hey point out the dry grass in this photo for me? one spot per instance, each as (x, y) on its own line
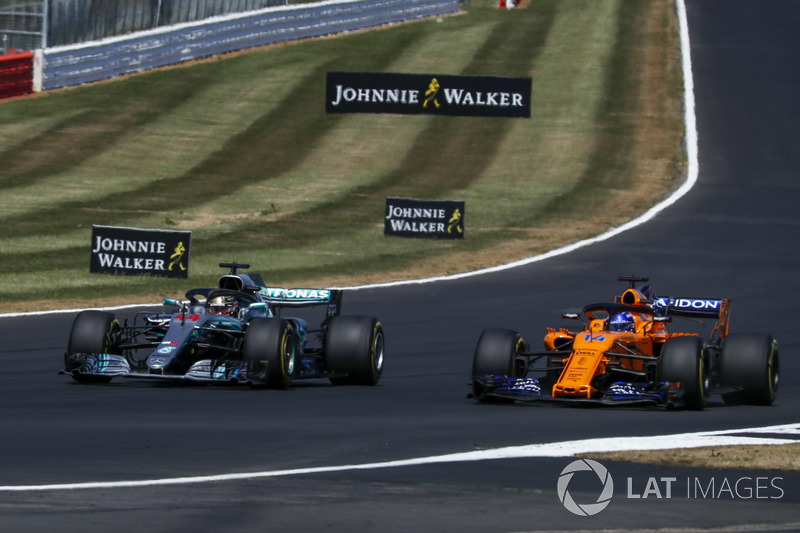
(784, 457)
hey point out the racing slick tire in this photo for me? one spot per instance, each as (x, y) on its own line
(683, 361)
(750, 363)
(272, 340)
(496, 355)
(92, 332)
(354, 345)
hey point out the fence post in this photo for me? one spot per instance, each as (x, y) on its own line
(45, 23)
(38, 70)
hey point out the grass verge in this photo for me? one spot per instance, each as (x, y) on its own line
(238, 149)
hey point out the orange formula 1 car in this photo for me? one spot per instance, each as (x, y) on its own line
(625, 354)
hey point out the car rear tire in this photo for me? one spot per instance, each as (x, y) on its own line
(272, 340)
(683, 361)
(354, 345)
(750, 362)
(93, 332)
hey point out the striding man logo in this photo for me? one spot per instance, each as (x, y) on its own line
(430, 94)
(177, 257)
(455, 222)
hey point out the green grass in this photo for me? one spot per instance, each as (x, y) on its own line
(240, 151)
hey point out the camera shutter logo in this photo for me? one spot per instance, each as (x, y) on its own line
(588, 509)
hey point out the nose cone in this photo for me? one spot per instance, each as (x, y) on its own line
(161, 357)
(156, 362)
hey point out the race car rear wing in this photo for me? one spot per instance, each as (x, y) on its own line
(665, 307)
(697, 308)
(280, 297)
(690, 307)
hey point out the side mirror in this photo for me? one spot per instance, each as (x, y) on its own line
(571, 316)
(173, 302)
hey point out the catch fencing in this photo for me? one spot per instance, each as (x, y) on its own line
(173, 41)
(93, 61)
(21, 25)
(36, 24)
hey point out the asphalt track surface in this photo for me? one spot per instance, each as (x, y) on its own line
(733, 235)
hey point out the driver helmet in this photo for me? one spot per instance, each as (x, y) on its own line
(222, 305)
(622, 322)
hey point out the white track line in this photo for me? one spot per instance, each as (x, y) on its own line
(690, 123)
(553, 449)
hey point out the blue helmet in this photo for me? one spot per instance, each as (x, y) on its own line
(622, 322)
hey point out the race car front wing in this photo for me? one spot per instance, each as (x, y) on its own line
(529, 389)
(103, 365)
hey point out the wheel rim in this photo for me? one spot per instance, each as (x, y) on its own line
(288, 354)
(705, 378)
(112, 337)
(774, 373)
(377, 352)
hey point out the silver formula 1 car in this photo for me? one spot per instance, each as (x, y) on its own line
(232, 333)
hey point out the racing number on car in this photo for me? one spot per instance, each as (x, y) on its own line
(599, 338)
(193, 318)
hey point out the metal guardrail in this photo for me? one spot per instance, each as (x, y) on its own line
(75, 21)
(36, 24)
(88, 62)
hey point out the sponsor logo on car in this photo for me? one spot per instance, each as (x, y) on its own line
(276, 293)
(689, 304)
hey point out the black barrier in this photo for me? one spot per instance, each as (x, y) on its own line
(133, 252)
(414, 94)
(430, 219)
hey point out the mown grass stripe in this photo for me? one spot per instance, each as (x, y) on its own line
(103, 119)
(314, 211)
(271, 145)
(166, 147)
(463, 148)
(610, 166)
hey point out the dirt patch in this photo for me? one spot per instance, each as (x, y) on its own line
(781, 457)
